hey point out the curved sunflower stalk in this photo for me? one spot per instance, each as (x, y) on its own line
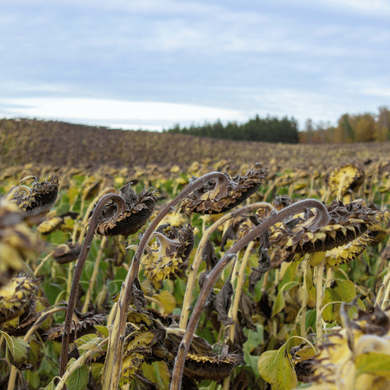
(225, 189)
(321, 219)
(121, 205)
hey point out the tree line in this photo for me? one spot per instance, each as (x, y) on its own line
(269, 129)
(366, 127)
(350, 128)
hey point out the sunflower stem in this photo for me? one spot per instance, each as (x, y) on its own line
(305, 265)
(319, 276)
(94, 274)
(321, 220)
(238, 292)
(386, 296)
(12, 378)
(79, 269)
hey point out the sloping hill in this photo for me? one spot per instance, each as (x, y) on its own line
(57, 143)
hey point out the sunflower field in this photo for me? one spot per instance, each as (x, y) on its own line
(207, 275)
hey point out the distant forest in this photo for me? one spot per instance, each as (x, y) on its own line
(269, 129)
(366, 127)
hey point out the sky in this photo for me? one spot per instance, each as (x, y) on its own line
(151, 64)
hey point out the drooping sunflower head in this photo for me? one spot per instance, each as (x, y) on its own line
(361, 342)
(347, 222)
(218, 196)
(62, 222)
(169, 252)
(66, 253)
(348, 252)
(38, 199)
(16, 297)
(344, 178)
(280, 202)
(213, 368)
(139, 207)
(17, 241)
(202, 360)
(82, 324)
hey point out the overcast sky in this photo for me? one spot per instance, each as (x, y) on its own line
(153, 63)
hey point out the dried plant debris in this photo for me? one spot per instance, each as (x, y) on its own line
(37, 200)
(17, 297)
(66, 253)
(139, 208)
(347, 222)
(169, 253)
(219, 196)
(17, 241)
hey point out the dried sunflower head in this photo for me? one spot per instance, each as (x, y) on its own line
(357, 356)
(56, 222)
(66, 253)
(137, 350)
(169, 253)
(214, 368)
(345, 178)
(139, 207)
(347, 222)
(218, 196)
(202, 363)
(17, 241)
(301, 358)
(348, 252)
(16, 297)
(37, 200)
(280, 202)
(82, 324)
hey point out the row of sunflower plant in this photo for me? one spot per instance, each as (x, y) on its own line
(169, 281)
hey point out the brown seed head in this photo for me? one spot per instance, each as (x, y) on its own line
(218, 196)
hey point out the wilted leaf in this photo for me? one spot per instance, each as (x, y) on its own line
(279, 303)
(102, 329)
(17, 351)
(246, 310)
(373, 363)
(78, 379)
(223, 302)
(72, 194)
(138, 297)
(167, 299)
(229, 235)
(50, 386)
(275, 368)
(209, 256)
(262, 268)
